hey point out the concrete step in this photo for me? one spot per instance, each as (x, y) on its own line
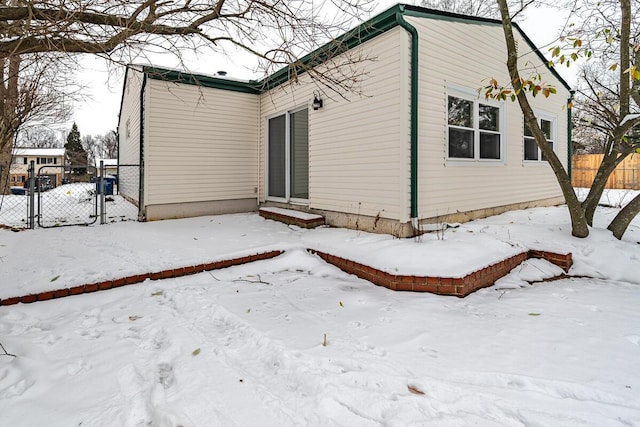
(293, 217)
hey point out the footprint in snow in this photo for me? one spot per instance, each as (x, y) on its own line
(633, 339)
(90, 334)
(357, 325)
(17, 389)
(91, 318)
(165, 375)
(77, 367)
(49, 339)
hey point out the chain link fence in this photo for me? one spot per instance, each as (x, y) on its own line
(14, 203)
(64, 195)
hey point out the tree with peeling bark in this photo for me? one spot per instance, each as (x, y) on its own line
(623, 122)
(277, 32)
(578, 220)
(31, 90)
(609, 93)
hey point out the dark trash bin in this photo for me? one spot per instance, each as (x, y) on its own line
(109, 182)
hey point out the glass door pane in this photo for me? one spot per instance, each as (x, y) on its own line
(299, 140)
(277, 157)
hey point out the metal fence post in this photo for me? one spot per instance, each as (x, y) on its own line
(32, 195)
(103, 214)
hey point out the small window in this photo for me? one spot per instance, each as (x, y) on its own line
(474, 129)
(531, 150)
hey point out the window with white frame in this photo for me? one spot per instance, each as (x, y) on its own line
(532, 152)
(474, 128)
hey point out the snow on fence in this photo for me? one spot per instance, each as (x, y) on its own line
(69, 195)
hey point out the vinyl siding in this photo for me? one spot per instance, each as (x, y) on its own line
(129, 135)
(200, 144)
(357, 147)
(467, 55)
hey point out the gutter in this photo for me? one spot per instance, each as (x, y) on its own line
(141, 209)
(414, 113)
(570, 135)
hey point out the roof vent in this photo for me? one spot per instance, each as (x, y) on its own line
(221, 73)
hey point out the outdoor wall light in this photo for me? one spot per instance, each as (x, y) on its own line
(317, 101)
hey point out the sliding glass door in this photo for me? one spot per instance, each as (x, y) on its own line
(277, 157)
(288, 156)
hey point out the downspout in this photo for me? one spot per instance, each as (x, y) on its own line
(141, 209)
(414, 114)
(570, 135)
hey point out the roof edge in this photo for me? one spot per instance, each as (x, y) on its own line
(175, 76)
(417, 11)
(362, 33)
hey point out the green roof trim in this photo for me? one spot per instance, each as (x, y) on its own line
(157, 73)
(364, 32)
(421, 12)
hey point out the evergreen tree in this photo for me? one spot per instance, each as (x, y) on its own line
(75, 154)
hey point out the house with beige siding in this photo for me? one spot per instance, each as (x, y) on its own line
(48, 162)
(419, 144)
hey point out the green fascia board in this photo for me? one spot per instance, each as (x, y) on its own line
(421, 12)
(364, 32)
(157, 73)
(124, 86)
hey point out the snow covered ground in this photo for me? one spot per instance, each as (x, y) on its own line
(67, 204)
(294, 341)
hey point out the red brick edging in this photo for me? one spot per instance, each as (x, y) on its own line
(457, 286)
(137, 278)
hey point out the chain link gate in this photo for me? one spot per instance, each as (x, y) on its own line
(75, 203)
(66, 195)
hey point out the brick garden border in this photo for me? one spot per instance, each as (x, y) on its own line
(138, 278)
(456, 286)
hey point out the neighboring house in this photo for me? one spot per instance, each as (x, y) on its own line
(110, 166)
(48, 162)
(420, 145)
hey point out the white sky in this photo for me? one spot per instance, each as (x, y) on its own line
(99, 113)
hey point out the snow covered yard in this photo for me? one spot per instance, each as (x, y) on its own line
(64, 205)
(246, 345)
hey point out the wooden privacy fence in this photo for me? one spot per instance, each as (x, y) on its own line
(626, 176)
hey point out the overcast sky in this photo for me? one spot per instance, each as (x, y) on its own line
(104, 87)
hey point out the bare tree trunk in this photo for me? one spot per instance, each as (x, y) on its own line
(8, 103)
(579, 227)
(6, 144)
(609, 163)
(625, 59)
(618, 150)
(621, 222)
